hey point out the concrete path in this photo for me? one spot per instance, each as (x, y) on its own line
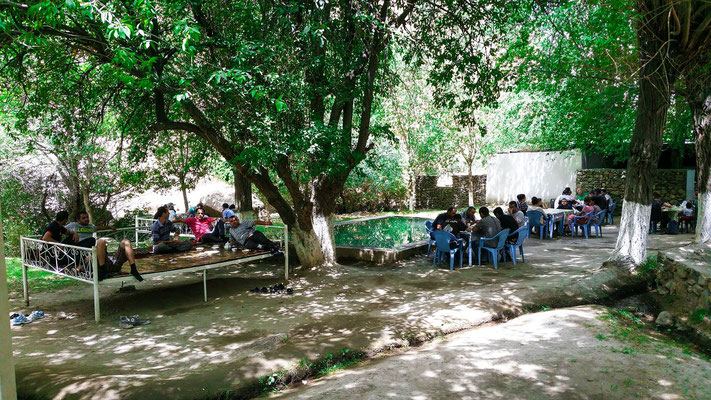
(574, 353)
(194, 349)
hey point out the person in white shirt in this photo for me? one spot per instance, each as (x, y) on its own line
(516, 213)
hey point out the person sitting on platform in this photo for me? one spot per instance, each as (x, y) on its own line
(244, 234)
(171, 210)
(516, 213)
(162, 244)
(85, 230)
(205, 229)
(54, 231)
(110, 265)
(227, 212)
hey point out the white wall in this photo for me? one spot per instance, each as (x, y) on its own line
(542, 174)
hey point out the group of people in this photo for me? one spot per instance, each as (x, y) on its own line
(487, 226)
(164, 233)
(688, 212)
(586, 205)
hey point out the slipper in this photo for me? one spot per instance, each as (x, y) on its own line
(289, 291)
(125, 325)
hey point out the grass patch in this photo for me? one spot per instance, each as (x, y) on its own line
(698, 316)
(648, 269)
(39, 280)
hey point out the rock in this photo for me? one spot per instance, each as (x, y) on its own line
(664, 319)
(663, 291)
(682, 273)
(702, 280)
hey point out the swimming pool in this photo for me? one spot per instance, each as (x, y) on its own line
(383, 232)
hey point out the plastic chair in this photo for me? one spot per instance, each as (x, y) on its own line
(584, 225)
(610, 210)
(494, 251)
(598, 225)
(429, 230)
(443, 239)
(534, 220)
(522, 233)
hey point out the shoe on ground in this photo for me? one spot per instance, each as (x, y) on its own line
(35, 315)
(20, 320)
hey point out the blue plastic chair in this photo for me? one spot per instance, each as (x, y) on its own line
(494, 251)
(598, 225)
(429, 229)
(522, 233)
(584, 225)
(534, 220)
(611, 209)
(442, 241)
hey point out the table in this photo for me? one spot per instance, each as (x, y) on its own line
(551, 216)
(672, 212)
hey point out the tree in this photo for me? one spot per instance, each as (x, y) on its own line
(470, 143)
(285, 86)
(673, 37)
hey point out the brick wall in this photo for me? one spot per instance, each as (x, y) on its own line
(670, 183)
(429, 196)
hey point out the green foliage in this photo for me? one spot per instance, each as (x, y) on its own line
(649, 268)
(700, 315)
(20, 200)
(41, 280)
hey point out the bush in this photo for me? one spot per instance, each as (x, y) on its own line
(21, 202)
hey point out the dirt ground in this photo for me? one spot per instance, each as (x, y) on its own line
(194, 349)
(570, 353)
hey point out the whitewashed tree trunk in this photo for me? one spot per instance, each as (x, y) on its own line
(307, 246)
(412, 201)
(703, 221)
(631, 247)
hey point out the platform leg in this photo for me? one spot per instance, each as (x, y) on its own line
(204, 283)
(95, 275)
(286, 252)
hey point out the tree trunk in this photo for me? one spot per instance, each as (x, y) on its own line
(243, 193)
(413, 192)
(471, 183)
(87, 203)
(655, 84)
(307, 246)
(185, 197)
(700, 104)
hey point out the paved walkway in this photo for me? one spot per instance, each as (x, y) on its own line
(572, 353)
(194, 349)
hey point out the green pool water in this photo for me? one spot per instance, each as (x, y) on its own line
(388, 232)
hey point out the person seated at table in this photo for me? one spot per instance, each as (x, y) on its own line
(469, 216)
(507, 221)
(599, 199)
(580, 195)
(657, 215)
(567, 195)
(205, 229)
(607, 196)
(521, 203)
(516, 213)
(540, 206)
(244, 234)
(487, 226)
(449, 221)
(565, 204)
(162, 243)
(587, 208)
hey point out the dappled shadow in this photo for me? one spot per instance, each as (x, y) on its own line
(195, 349)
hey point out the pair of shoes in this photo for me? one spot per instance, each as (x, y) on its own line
(130, 322)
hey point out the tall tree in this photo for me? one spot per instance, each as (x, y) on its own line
(285, 87)
(673, 37)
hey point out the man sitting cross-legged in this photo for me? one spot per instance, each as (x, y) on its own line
(243, 233)
(205, 229)
(109, 265)
(162, 244)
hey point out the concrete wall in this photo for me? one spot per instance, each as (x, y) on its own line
(542, 174)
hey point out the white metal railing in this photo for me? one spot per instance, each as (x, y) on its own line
(144, 225)
(58, 258)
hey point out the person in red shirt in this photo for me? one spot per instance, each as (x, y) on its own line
(205, 229)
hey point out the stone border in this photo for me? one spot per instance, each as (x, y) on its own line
(380, 255)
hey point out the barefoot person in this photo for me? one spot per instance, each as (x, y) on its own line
(162, 243)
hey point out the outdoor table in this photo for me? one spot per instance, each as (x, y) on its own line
(672, 212)
(551, 215)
